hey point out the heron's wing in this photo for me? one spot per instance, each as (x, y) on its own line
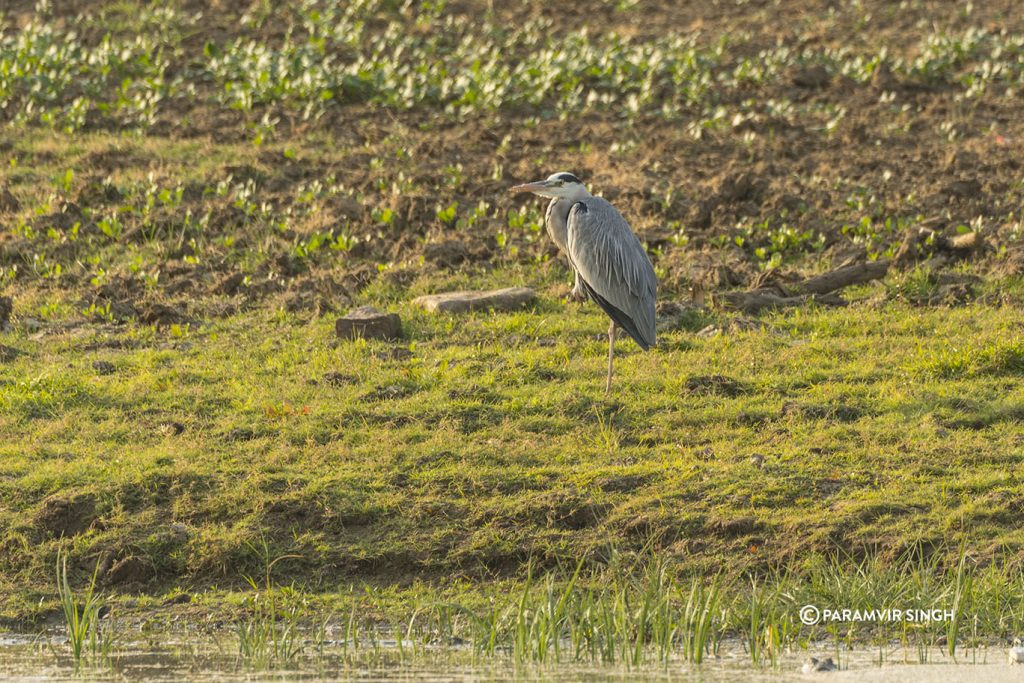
(613, 266)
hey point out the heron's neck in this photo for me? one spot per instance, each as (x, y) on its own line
(579, 194)
(555, 219)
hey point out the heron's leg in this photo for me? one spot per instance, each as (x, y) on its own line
(611, 355)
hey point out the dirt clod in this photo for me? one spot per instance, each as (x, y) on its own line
(230, 284)
(447, 254)
(730, 528)
(962, 189)
(162, 315)
(129, 570)
(738, 187)
(66, 515)
(812, 77)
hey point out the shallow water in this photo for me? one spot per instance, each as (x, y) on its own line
(44, 658)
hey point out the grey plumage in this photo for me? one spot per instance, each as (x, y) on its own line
(610, 264)
(614, 267)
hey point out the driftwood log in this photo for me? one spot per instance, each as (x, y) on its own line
(820, 288)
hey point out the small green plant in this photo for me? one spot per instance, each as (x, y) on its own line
(269, 636)
(697, 626)
(384, 216)
(447, 214)
(81, 613)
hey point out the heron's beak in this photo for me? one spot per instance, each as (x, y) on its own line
(529, 187)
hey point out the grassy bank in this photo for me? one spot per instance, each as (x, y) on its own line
(189, 200)
(482, 442)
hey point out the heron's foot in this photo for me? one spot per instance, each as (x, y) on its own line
(576, 296)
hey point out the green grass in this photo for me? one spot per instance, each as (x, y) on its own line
(487, 446)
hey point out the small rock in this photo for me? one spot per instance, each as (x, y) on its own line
(813, 664)
(369, 323)
(462, 302)
(1016, 653)
(103, 367)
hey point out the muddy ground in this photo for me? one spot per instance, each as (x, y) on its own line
(914, 149)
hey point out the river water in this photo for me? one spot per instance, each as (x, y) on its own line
(45, 658)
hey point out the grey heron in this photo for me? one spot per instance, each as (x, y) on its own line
(610, 265)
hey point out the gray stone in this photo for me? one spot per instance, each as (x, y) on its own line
(369, 323)
(461, 302)
(813, 664)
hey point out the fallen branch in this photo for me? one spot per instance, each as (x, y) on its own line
(819, 289)
(853, 274)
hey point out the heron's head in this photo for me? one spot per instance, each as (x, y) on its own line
(559, 185)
